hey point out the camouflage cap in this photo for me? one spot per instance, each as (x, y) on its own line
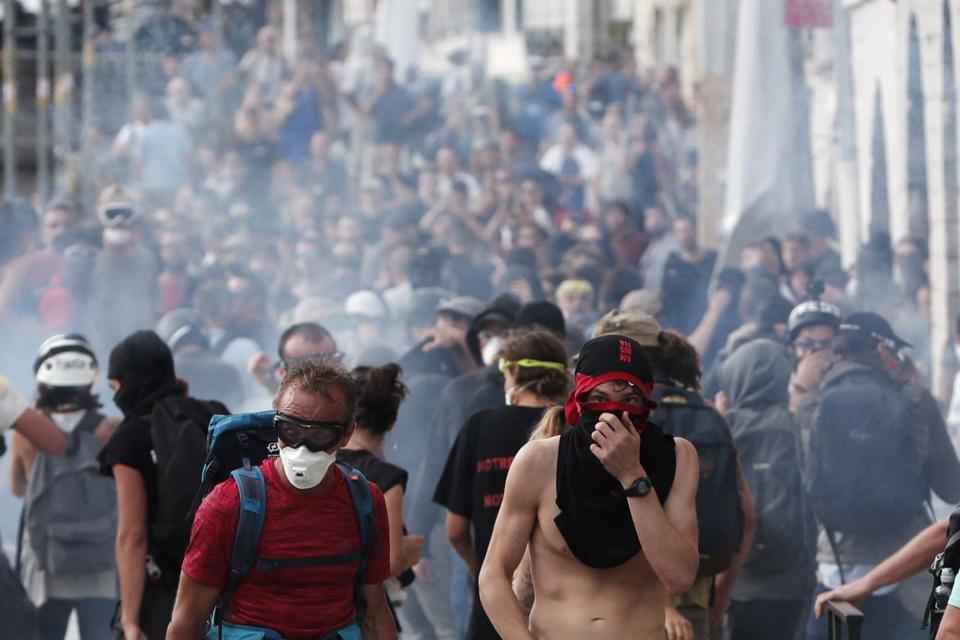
(638, 325)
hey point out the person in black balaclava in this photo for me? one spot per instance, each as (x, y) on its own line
(141, 372)
(623, 532)
(142, 366)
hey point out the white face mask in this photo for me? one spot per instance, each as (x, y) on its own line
(305, 469)
(117, 236)
(491, 350)
(67, 421)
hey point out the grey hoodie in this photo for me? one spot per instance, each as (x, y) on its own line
(755, 379)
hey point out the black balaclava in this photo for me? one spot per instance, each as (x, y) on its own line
(143, 365)
(594, 518)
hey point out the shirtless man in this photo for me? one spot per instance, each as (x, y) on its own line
(587, 502)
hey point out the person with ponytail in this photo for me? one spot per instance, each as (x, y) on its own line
(380, 395)
(533, 362)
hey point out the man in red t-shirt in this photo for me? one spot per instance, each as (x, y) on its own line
(309, 514)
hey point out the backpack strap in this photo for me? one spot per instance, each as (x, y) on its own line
(363, 505)
(253, 511)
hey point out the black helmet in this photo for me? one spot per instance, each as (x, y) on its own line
(810, 313)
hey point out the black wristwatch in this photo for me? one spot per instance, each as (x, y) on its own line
(638, 488)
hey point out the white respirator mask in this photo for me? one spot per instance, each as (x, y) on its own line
(68, 420)
(117, 236)
(491, 350)
(305, 469)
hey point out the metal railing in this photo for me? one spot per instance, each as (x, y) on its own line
(844, 621)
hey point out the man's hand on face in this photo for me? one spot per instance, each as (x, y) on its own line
(447, 336)
(617, 447)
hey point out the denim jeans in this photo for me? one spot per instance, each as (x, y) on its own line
(427, 614)
(93, 614)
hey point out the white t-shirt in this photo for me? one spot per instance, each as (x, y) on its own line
(12, 405)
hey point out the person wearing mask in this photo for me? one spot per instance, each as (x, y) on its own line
(309, 512)
(65, 496)
(533, 362)
(124, 277)
(770, 595)
(611, 526)
(699, 612)
(381, 393)
(141, 373)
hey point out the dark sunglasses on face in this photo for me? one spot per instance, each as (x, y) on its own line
(315, 436)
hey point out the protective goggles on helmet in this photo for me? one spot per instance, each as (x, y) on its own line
(315, 436)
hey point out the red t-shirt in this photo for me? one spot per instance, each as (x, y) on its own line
(297, 603)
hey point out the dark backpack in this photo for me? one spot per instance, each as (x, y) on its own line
(252, 429)
(720, 517)
(70, 509)
(864, 466)
(178, 431)
(770, 459)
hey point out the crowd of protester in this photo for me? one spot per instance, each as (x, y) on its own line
(454, 240)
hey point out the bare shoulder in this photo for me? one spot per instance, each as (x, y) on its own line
(538, 455)
(533, 465)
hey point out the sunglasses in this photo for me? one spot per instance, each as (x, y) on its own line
(315, 436)
(812, 346)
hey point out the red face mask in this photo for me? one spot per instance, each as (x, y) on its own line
(585, 384)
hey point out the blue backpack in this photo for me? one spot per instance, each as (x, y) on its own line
(252, 436)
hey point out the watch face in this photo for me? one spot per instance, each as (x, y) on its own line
(643, 486)
(640, 487)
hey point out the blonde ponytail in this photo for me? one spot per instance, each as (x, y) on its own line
(553, 423)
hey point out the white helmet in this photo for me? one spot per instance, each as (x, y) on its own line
(66, 361)
(365, 304)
